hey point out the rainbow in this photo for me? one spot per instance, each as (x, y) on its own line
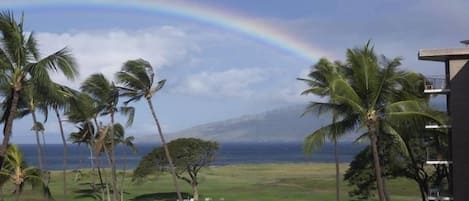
(211, 15)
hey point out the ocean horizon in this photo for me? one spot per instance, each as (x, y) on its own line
(230, 153)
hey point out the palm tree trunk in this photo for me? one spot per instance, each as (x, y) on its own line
(115, 191)
(374, 150)
(123, 174)
(9, 126)
(166, 150)
(108, 157)
(64, 160)
(40, 153)
(38, 142)
(337, 170)
(98, 164)
(421, 180)
(336, 158)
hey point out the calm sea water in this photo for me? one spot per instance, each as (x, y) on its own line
(229, 153)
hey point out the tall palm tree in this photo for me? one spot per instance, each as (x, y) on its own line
(137, 79)
(374, 95)
(61, 98)
(20, 61)
(319, 84)
(31, 100)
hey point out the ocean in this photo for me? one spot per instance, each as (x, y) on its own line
(228, 154)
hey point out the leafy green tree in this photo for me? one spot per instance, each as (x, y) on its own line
(137, 79)
(20, 62)
(396, 164)
(189, 154)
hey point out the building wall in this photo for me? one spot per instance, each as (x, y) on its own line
(459, 108)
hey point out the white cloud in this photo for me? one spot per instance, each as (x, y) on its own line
(105, 51)
(289, 91)
(229, 83)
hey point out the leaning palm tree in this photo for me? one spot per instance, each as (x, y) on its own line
(136, 78)
(20, 61)
(319, 84)
(373, 96)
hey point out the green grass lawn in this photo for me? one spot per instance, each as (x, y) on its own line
(269, 182)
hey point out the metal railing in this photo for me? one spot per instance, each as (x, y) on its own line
(435, 82)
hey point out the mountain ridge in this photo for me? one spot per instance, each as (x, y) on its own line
(278, 125)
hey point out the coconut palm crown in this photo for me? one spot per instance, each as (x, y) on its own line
(20, 62)
(376, 96)
(137, 79)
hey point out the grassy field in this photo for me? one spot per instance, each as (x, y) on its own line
(269, 182)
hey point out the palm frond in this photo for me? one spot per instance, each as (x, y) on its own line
(397, 140)
(157, 87)
(343, 93)
(61, 60)
(129, 112)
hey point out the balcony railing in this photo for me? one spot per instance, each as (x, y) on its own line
(435, 126)
(437, 157)
(436, 84)
(435, 194)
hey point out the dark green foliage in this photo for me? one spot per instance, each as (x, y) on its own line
(361, 174)
(396, 162)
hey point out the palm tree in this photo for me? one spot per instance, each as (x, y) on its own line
(374, 96)
(106, 95)
(319, 85)
(83, 113)
(20, 61)
(137, 78)
(61, 97)
(129, 143)
(104, 144)
(35, 95)
(19, 173)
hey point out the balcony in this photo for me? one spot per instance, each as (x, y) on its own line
(436, 85)
(438, 156)
(437, 194)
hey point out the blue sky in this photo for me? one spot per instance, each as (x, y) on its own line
(214, 72)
